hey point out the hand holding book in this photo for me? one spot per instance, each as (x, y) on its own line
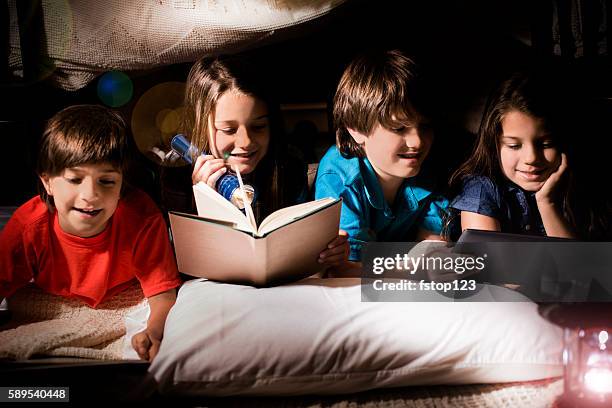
(246, 200)
(337, 251)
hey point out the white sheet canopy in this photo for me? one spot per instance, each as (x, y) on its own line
(87, 37)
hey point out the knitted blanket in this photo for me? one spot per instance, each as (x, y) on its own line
(49, 325)
(87, 37)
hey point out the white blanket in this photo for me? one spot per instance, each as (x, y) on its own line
(84, 38)
(49, 325)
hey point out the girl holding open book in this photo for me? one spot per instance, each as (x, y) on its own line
(233, 118)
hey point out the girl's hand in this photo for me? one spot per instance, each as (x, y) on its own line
(146, 345)
(337, 251)
(208, 169)
(547, 192)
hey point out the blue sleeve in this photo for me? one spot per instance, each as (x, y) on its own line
(478, 195)
(353, 216)
(432, 217)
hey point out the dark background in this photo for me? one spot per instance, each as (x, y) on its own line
(465, 47)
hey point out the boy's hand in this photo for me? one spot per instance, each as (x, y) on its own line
(146, 345)
(546, 194)
(208, 169)
(337, 251)
(147, 342)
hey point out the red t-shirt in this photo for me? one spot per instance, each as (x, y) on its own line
(134, 245)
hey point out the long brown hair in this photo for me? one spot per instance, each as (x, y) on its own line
(537, 94)
(208, 79)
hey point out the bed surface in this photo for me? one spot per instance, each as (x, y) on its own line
(122, 383)
(88, 380)
(528, 394)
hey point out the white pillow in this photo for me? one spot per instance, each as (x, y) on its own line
(316, 336)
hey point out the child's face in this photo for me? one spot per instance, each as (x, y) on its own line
(396, 153)
(527, 152)
(85, 197)
(241, 129)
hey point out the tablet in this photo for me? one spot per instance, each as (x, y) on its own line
(476, 236)
(529, 262)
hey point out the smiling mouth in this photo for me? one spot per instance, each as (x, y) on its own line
(409, 155)
(244, 155)
(91, 213)
(531, 175)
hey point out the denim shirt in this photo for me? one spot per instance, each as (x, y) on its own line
(514, 208)
(366, 216)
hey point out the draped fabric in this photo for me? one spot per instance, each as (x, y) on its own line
(74, 41)
(572, 28)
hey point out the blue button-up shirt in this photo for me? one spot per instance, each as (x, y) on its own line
(366, 216)
(514, 208)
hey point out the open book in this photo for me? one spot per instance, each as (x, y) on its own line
(221, 243)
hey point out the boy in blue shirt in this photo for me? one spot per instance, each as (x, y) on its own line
(382, 139)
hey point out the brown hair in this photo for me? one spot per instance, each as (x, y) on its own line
(536, 93)
(81, 134)
(526, 92)
(379, 87)
(208, 79)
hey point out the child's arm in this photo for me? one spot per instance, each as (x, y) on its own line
(425, 234)
(147, 342)
(15, 256)
(431, 220)
(474, 220)
(336, 257)
(552, 217)
(554, 223)
(348, 269)
(352, 217)
(478, 204)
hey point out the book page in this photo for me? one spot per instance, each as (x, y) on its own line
(294, 249)
(288, 214)
(247, 203)
(213, 206)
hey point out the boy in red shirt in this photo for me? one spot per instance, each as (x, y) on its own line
(87, 235)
